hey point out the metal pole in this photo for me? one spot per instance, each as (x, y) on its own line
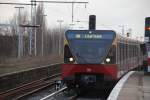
(30, 50)
(20, 41)
(30, 40)
(25, 4)
(73, 2)
(42, 35)
(123, 29)
(72, 11)
(32, 33)
(35, 31)
(30, 37)
(42, 48)
(122, 26)
(60, 22)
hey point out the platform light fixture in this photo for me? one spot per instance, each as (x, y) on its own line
(147, 27)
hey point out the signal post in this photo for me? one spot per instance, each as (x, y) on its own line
(147, 42)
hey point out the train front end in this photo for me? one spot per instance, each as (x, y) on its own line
(89, 58)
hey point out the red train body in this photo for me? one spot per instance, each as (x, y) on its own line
(72, 69)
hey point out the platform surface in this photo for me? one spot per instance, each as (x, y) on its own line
(137, 87)
(29, 63)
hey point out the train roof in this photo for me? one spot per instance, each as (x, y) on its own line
(119, 37)
(129, 39)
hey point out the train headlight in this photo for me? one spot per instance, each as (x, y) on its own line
(107, 60)
(70, 59)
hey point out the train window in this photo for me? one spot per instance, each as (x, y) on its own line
(143, 49)
(121, 55)
(118, 53)
(90, 48)
(130, 49)
(68, 58)
(121, 52)
(136, 50)
(127, 51)
(111, 57)
(133, 50)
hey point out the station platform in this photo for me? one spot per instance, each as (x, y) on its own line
(15, 65)
(134, 86)
(24, 71)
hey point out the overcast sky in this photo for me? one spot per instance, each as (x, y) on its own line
(110, 13)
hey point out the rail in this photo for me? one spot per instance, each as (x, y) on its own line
(28, 88)
(53, 94)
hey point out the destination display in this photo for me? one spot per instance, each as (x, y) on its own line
(86, 35)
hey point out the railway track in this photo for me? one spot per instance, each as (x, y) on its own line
(20, 93)
(54, 94)
(61, 95)
(29, 88)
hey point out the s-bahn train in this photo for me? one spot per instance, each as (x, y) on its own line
(95, 58)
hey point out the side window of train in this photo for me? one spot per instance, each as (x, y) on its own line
(131, 51)
(121, 51)
(143, 49)
(114, 54)
(136, 50)
(67, 54)
(127, 51)
(118, 52)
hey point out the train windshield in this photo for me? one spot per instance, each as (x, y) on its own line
(89, 47)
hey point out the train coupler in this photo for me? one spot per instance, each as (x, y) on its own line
(58, 84)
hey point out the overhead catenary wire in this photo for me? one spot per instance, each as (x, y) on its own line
(29, 4)
(68, 2)
(59, 1)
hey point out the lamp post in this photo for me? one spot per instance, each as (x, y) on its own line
(71, 26)
(122, 26)
(129, 32)
(60, 22)
(42, 46)
(20, 36)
